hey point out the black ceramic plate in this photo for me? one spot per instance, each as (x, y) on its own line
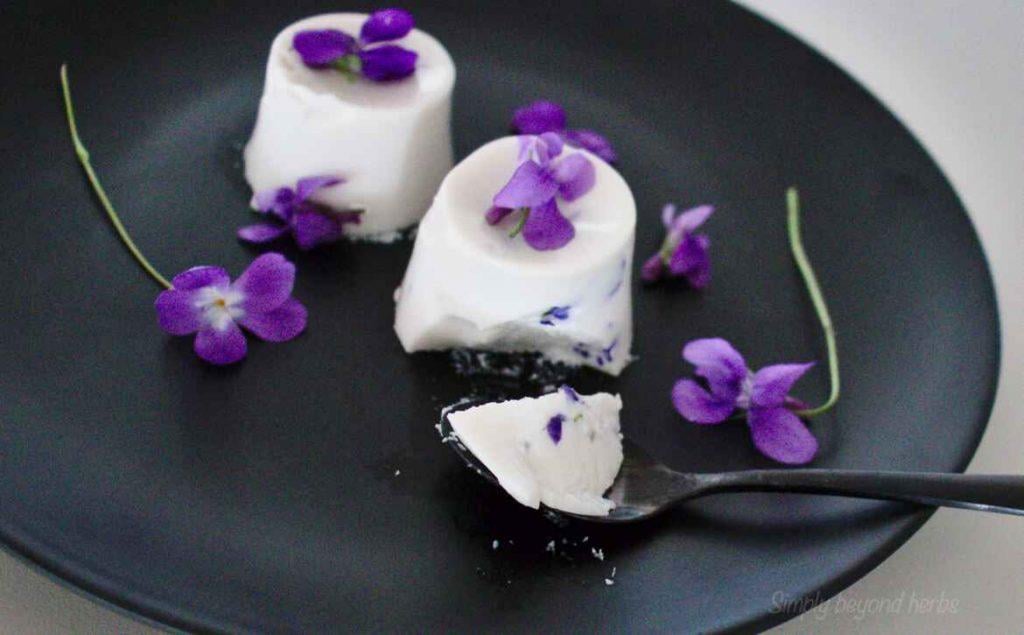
(264, 496)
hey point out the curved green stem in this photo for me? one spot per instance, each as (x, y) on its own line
(817, 298)
(83, 158)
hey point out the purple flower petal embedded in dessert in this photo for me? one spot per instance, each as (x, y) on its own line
(530, 185)
(221, 347)
(570, 393)
(554, 428)
(386, 24)
(781, 435)
(771, 385)
(321, 48)
(266, 283)
(201, 276)
(262, 232)
(539, 117)
(387, 63)
(546, 229)
(576, 176)
(280, 325)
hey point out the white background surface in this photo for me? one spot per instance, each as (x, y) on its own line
(953, 72)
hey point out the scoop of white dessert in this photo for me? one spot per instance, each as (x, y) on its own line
(470, 284)
(563, 449)
(390, 141)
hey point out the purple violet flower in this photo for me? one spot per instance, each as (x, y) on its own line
(204, 301)
(331, 48)
(310, 223)
(682, 253)
(554, 428)
(547, 116)
(532, 190)
(777, 431)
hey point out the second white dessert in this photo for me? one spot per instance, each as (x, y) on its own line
(470, 285)
(391, 141)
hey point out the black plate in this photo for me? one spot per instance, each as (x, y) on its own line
(263, 497)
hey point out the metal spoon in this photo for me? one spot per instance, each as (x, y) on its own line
(645, 488)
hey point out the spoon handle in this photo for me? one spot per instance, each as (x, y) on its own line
(983, 492)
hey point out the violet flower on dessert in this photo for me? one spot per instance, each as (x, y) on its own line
(547, 116)
(310, 223)
(682, 253)
(533, 188)
(365, 55)
(204, 301)
(727, 385)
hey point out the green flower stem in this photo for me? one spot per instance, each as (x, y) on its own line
(802, 262)
(83, 158)
(521, 223)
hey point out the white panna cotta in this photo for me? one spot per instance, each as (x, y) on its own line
(563, 449)
(390, 141)
(470, 285)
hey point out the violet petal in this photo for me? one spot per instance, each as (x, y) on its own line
(387, 63)
(273, 200)
(176, 312)
(652, 268)
(546, 229)
(321, 48)
(698, 405)
(306, 187)
(266, 283)
(781, 435)
(691, 219)
(497, 214)
(261, 232)
(202, 276)
(576, 176)
(720, 364)
(772, 384)
(225, 346)
(554, 428)
(691, 259)
(539, 117)
(553, 143)
(668, 214)
(313, 228)
(386, 24)
(280, 325)
(593, 143)
(530, 185)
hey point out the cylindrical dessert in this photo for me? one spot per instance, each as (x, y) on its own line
(469, 284)
(389, 141)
